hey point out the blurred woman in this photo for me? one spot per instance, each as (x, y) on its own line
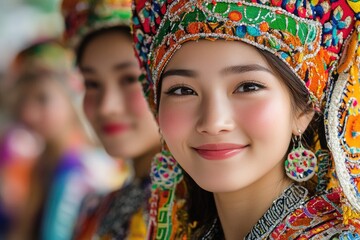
(115, 106)
(63, 173)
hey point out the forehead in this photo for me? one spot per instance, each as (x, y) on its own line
(215, 55)
(40, 85)
(108, 49)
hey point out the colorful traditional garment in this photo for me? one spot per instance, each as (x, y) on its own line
(319, 41)
(296, 216)
(123, 214)
(73, 179)
(19, 149)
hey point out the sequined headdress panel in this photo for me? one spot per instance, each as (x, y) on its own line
(84, 16)
(306, 35)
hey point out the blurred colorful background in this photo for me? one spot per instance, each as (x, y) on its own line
(50, 161)
(21, 23)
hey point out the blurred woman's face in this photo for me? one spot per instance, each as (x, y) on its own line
(44, 106)
(226, 115)
(114, 101)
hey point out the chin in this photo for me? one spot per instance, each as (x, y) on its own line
(127, 151)
(119, 153)
(113, 148)
(219, 188)
(221, 184)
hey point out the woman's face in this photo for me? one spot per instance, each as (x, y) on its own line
(114, 101)
(44, 106)
(225, 114)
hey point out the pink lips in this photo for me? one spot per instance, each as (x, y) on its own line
(114, 128)
(219, 151)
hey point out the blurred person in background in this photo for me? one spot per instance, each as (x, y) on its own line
(19, 149)
(42, 91)
(116, 108)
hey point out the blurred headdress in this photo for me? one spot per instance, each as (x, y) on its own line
(47, 55)
(46, 58)
(318, 40)
(85, 16)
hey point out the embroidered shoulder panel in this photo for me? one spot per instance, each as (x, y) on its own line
(319, 218)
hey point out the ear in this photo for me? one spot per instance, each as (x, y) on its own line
(301, 122)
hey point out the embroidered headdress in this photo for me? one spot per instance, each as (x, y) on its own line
(48, 55)
(85, 16)
(317, 39)
(44, 58)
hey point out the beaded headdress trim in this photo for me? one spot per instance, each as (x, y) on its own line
(85, 16)
(295, 40)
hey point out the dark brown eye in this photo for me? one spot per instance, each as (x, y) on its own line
(128, 79)
(249, 87)
(91, 84)
(181, 91)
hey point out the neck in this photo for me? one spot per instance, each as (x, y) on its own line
(142, 163)
(239, 211)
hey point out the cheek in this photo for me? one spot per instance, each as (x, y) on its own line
(89, 105)
(59, 111)
(137, 103)
(265, 117)
(175, 122)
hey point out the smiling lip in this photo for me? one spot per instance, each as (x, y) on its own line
(219, 151)
(115, 128)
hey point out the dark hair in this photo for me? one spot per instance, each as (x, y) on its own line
(201, 203)
(300, 101)
(125, 30)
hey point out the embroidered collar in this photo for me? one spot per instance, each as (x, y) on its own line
(293, 197)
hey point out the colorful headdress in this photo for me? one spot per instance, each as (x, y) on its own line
(48, 55)
(318, 40)
(85, 16)
(46, 58)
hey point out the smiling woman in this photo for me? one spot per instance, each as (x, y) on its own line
(233, 106)
(242, 115)
(114, 102)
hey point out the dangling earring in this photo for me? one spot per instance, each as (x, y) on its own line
(301, 162)
(165, 175)
(165, 171)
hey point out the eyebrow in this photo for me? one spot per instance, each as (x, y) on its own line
(179, 72)
(86, 69)
(124, 65)
(226, 71)
(116, 67)
(244, 68)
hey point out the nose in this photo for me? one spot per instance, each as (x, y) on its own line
(112, 102)
(216, 115)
